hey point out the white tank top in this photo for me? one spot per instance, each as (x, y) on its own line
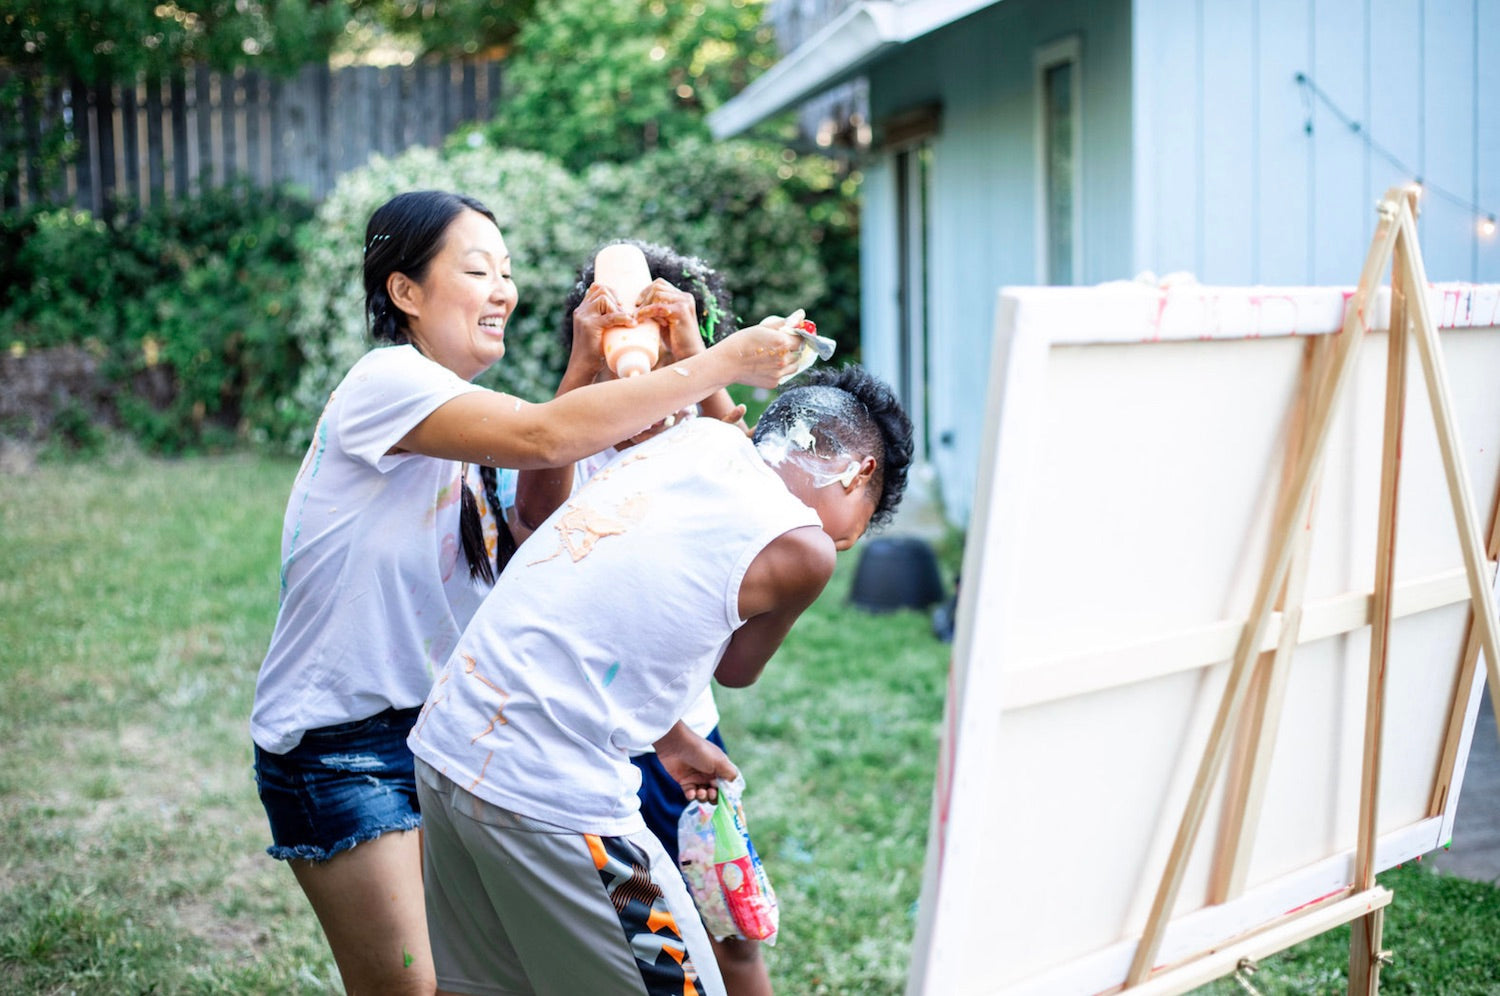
(606, 625)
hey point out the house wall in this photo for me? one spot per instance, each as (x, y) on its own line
(1231, 186)
(984, 209)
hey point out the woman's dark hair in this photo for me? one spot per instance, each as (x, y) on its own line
(716, 318)
(402, 236)
(848, 410)
(471, 530)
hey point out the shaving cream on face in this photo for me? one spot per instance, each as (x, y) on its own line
(798, 445)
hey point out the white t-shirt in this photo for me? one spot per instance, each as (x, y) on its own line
(606, 625)
(375, 588)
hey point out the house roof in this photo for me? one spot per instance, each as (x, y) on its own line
(837, 52)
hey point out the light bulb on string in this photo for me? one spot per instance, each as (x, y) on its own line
(1487, 226)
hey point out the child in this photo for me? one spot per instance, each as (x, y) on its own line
(687, 558)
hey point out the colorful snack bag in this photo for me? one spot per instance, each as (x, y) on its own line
(723, 872)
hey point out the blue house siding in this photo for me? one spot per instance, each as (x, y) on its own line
(1232, 188)
(1199, 151)
(984, 185)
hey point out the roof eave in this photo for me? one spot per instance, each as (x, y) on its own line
(836, 53)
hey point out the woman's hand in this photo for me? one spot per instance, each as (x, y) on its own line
(676, 312)
(764, 354)
(598, 311)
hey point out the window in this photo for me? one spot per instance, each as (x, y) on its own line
(913, 179)
(1059, 228)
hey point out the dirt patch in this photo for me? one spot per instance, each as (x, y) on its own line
(44, 385)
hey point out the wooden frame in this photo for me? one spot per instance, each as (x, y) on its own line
(1024, 664)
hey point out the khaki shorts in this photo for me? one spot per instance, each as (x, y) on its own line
(515, 905)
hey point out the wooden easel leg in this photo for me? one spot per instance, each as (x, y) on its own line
(1365, 954)
(1250, 767)
(1458, 705)
(1284, 532)
(1385, 569)
(1475, 565)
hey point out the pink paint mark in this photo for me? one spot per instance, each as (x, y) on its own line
(1314, 902)
(1161, 309)
(945, 769)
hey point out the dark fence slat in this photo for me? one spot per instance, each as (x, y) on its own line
(177, 95)
(130, 144)
(156, 162)
(104, 135)
(250, 88)
(83, 137)
(203, 117)
(12, 122)
(469, 108)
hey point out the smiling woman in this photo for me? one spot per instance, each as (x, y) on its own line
(381, 510)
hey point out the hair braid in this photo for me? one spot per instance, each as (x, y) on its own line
(471, 532)
(505, 543)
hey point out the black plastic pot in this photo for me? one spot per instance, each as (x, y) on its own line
(896, 572)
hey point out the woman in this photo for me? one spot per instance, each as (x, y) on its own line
(372, 598)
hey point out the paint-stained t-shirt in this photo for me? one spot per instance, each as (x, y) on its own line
(606, 625)
(375, 588)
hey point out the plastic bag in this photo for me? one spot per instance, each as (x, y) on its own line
(723, 872)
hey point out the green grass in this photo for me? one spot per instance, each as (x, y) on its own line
(136, 598)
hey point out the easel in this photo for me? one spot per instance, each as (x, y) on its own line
(1252, 695)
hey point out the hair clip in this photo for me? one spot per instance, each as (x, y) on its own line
(374, 239)
(711, 312)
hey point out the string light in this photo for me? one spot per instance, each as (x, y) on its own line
(1311, 90)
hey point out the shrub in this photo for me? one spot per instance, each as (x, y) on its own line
(758, 213)
(185, 304)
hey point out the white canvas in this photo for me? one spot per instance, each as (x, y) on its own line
(1136, 441)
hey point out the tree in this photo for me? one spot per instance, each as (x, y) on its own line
(106, 41)
(452, 27)
(608, 80)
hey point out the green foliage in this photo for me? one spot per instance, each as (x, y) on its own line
(185, 304)
(607, 80)
(102, 41)
(49, 147)
(455, 27)
(756, 212)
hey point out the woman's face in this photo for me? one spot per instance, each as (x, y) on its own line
(457, 314)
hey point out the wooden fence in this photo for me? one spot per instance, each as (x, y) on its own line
(166, 138)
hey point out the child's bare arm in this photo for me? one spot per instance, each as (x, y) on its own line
(787, 577)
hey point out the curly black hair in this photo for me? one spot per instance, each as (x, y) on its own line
(716, 317)
(849, 410)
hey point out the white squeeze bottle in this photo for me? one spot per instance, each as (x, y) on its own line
(628, 349)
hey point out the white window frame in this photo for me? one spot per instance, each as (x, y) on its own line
(1065, 51)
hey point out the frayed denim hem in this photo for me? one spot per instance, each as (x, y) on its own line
(312, 852)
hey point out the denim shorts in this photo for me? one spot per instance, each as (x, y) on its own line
(341, 786)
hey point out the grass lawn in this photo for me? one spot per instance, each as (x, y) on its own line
(136, 598)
